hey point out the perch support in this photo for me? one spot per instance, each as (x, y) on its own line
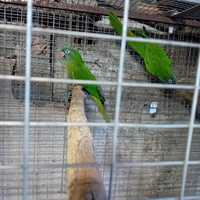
(84, 182)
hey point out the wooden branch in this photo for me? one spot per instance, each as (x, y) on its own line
(84, 183)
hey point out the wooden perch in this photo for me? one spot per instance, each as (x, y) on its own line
(84, 183)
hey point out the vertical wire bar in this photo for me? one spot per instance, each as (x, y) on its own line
(63, 157)
(27, 101)
(118, 95)
(191, 128)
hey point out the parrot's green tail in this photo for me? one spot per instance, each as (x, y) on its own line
(101, 108)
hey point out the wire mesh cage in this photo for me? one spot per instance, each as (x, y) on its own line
(147, 151)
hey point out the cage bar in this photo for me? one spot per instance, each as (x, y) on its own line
(27, 102)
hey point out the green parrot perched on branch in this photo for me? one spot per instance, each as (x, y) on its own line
(157, 63)
(77, 69)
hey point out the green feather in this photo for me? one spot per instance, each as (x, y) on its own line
(156, 60)
(77, 69)
(101, 108)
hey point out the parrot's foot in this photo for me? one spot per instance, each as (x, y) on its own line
(68, 97)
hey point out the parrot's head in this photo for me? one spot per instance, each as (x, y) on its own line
(64, 54)
(67, 51)
(70, 54)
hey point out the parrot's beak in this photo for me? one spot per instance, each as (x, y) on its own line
(60, 55)
(60, 58)
(60, 51)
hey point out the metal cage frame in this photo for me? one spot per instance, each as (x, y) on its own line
(27, 124)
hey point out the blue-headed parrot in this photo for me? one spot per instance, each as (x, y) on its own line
(78, 69)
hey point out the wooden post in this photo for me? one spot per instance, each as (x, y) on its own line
(84, 183)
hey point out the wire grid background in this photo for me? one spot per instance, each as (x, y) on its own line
(136, 6)
(149, 153)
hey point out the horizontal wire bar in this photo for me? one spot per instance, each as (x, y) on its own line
(164, 42)
(53, 124)
(89, 165)
(163, 126)
(78, 165)
(109, 83)
(98, 35)
(60, 32)
(55, 80)
(194, 162)
(196, 126)
(158, 85)
(164, 198)
(92, 124)
(191, 197)
(150, 164)
(175, 198)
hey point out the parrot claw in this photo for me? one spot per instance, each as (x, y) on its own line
(67, 98)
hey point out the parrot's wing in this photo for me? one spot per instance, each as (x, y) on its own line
(138, 47)
(158, 63)
(101, 108)
(86, 74)
(94, 90)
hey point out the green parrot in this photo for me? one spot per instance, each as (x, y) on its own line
(157, 63)
(77, 69)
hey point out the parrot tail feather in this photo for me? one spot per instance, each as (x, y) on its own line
(101, 108)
